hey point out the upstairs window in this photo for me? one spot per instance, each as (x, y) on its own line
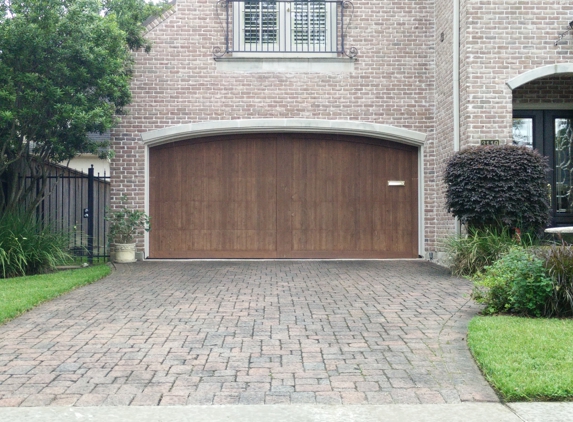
(284, 27)
(260, 24)
(310, 24)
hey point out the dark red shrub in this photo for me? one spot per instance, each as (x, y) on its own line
(497, 186)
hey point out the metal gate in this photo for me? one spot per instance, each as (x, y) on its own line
(75, 202)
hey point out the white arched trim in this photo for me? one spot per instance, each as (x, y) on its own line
(234, 127)
(540, 72)
(231, 127)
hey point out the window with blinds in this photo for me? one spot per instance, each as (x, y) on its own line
(260, 22)
(309, 24)
(284, 27)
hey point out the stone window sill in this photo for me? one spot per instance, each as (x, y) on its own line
(285, 65)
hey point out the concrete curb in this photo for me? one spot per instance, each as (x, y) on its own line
(544, 412)
(466, 412)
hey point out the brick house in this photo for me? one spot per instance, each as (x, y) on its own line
(263, 129)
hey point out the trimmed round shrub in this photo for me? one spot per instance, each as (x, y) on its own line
(498, 186)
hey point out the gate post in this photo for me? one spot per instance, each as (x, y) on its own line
(91, 214)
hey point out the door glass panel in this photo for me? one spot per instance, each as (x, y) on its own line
(523, 131)
(563, 165)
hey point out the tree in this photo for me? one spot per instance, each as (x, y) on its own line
(65, 70)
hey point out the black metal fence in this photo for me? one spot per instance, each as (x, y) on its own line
(75, 202)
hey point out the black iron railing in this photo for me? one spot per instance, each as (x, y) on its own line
(284, 28)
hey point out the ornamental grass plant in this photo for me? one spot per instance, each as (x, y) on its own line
(469, 253)
(558, 262)
(28, 247)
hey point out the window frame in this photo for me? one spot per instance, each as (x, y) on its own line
(544, 143)
(285, 45)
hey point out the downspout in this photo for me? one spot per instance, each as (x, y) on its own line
(456, 76)
(456, 85)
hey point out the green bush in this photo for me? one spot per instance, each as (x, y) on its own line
(470, 253)
(515, 283)
(125, 222)
(27, 248)
(558, 261)
(493, 186)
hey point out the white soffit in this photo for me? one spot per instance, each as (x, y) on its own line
(233, 127)
(540, 72)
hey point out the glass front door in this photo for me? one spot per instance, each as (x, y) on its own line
(551, 133)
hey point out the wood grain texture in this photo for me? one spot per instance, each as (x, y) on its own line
(283, 196)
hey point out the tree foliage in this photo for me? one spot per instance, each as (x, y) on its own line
(65, 69)
(130, 14)
(497, 186)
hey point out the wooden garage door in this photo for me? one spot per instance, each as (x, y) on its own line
(283, 196)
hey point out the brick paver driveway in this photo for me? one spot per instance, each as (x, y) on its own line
(166, 333)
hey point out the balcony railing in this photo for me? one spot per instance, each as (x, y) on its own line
(284, 28)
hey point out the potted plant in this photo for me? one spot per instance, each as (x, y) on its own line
(124, 225)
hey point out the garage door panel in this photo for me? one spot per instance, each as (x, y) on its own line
(345, 240)
(303, 240)
(266, 216)
(193, 215)
(285, 196)
(190, 237)
(364, 217)
(364, 241)
(193, 177)
(163, 218)
(233, 240)
(297, 196)
(346, 176)
(171, 191)
(310, 241)
(326, 211)
(381, 241)
(380, 222)
(214, 240)
(169, 240)
(266, 240)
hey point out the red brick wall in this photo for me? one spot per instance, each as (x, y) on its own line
(550, 90)
(178, 82)
(499, 40)
(402, 77)
(442, 224)
(504, 39)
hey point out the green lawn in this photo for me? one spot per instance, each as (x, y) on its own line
(20, 294)
(525, 358)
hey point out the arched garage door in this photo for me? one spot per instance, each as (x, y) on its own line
(283, 196)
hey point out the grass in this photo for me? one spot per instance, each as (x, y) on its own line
(525, 359)
(79, 260)
(20, 294)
